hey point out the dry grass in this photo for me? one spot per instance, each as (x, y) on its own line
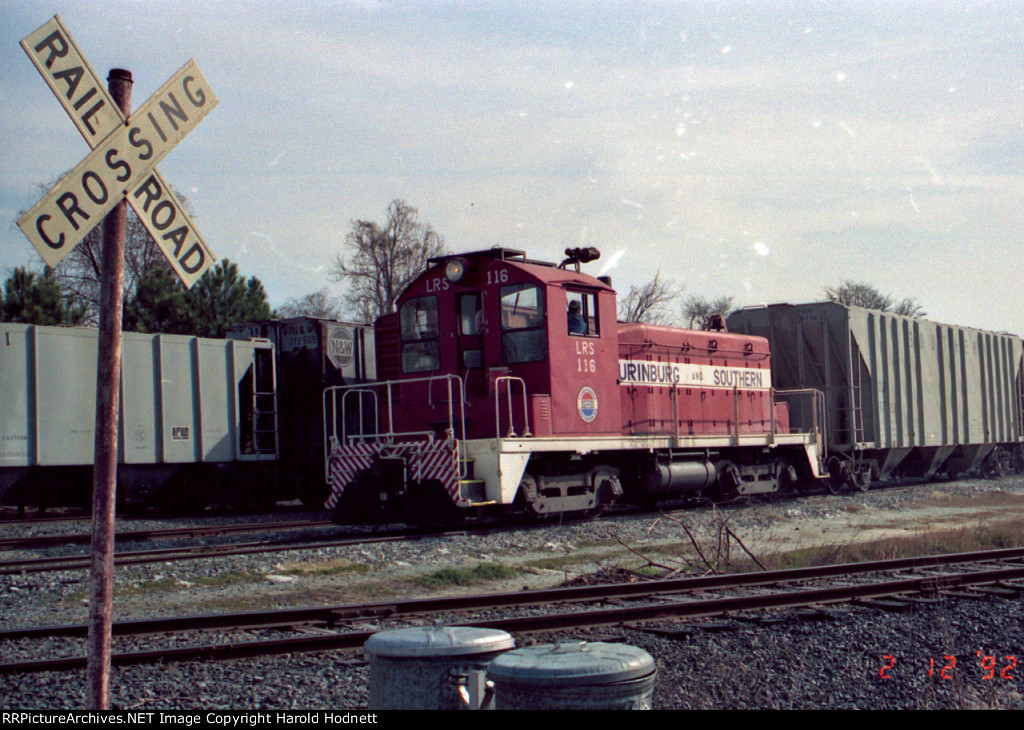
(1003, 534)
(330, 567)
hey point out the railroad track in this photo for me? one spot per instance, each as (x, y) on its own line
(995, 573)
(198, 552)
(170, 533)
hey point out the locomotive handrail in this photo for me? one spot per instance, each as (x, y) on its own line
(331, 425)
(331, 436)
(509, 379)
(344, 423)
(818, 427)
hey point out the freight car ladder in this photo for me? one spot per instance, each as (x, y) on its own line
(264, 408)
(856, 394)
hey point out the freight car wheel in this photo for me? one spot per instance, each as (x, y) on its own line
(836, 480)
(183, 494)
(313, 494)
(861, 478)
(996, 465)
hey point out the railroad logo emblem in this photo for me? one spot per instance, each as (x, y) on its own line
(586, 404)
(340, 347)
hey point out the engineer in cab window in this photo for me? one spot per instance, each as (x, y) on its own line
(577, 325)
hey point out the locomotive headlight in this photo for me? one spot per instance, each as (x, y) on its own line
(454, 270)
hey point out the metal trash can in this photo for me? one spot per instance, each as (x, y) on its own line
(573, 676)
(430, 667)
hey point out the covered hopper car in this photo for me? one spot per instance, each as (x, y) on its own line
(190, 408)
(903, 396)
(236, 421)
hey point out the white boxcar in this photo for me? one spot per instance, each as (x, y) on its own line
(184, 401)
(903, 395)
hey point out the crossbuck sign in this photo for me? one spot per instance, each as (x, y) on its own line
(123, 158)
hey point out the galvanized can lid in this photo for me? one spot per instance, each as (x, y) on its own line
(571, 664)
(423, 641)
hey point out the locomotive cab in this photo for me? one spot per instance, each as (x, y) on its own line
(531, 344)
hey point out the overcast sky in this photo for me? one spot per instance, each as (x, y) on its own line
(757, 149)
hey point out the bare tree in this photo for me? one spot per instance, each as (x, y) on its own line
(860, 294)
(649, 303)
(699, 312)
(79, 273)
(383, 260)
(318, 304)
(909, 307)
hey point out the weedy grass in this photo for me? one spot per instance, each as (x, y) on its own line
(170, 583)
(466, 576)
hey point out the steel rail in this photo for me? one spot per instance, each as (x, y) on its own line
(139, 557)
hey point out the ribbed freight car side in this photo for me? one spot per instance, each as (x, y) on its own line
(903, 395)
(186, 403)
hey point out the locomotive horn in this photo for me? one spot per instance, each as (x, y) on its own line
(579, 256)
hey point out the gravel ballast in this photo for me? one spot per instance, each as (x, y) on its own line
(832, 661)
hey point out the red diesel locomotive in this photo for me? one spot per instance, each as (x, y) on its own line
(508, 384)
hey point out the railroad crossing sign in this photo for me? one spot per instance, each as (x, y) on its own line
(124, 156)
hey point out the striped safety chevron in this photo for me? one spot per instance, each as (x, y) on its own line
(423, 459)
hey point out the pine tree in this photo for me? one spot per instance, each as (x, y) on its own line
(37, 299)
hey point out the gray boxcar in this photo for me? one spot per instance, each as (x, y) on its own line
(186, 403)
(903, 396)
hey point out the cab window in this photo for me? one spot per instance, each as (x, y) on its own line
(581, 317)
(420, 349)
(523, 338)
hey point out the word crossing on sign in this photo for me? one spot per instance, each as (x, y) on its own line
(123, 158)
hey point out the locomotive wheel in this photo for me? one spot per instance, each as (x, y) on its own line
(428, 504)
(785, 476)
(727, 483)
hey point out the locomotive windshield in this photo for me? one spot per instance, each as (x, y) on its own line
(420, 350)
(522, 322)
